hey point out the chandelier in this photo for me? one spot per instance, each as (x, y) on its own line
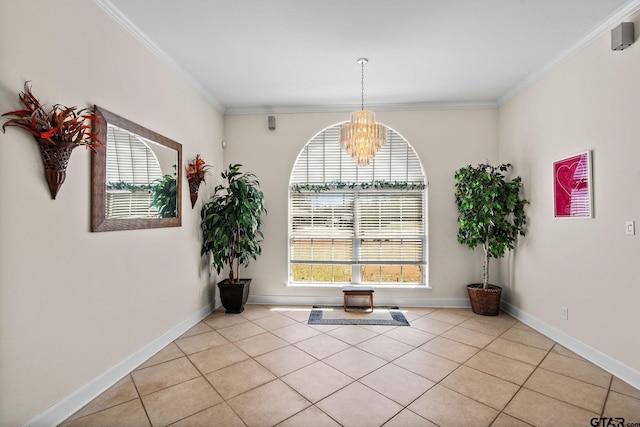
(363, 137)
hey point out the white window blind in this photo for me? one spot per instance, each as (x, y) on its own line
(391, 227)
(129, 159)
(321, 227)
(125, 204)
(323, 160)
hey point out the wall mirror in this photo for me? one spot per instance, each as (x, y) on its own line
(135, 177)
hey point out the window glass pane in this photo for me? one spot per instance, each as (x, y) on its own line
(412, 274)
(370, 273)
(391, 273)
(322, 272)
(301, 272)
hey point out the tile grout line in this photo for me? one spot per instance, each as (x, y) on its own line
(606, 399)
(377, 334)
(521, 386)
(144, 408)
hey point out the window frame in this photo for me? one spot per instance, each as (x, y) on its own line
(356, 190)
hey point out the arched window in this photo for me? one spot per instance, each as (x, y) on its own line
(132, 170)
(350, 224)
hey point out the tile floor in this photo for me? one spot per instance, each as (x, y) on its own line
(267, 367)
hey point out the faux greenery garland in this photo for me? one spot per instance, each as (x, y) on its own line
(122, 185)
(378, 185)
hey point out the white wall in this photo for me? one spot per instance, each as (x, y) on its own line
(587, 265)
(444, 141)
(74, 303)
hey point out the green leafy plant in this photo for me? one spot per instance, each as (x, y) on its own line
(59, 123)
(491, 211)
(165, 197)
(231, 221)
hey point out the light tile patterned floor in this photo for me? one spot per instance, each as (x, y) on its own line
(267, 367)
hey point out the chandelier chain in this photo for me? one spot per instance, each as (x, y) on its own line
(362, 85)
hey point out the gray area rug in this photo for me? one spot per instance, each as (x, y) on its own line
(335, 315)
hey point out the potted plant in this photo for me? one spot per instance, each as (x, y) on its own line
(231, 221)
(58, 130)
(165, 196)
(491, 214)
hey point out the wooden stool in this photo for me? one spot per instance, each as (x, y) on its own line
(360, 291)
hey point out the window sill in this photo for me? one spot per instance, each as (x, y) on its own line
(341, 285)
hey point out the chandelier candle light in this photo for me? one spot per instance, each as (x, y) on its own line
(363, 137)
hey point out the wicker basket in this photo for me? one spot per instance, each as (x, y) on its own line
(194, 186)
(55, 158)
(485, 301)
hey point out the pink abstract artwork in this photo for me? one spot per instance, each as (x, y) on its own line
(572, 186)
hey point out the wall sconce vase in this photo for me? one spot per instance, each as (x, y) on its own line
(55, 157)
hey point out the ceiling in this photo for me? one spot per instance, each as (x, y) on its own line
(249, 56)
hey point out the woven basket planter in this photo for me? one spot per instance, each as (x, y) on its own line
(55, 158)
(484, 301)
(194, 186)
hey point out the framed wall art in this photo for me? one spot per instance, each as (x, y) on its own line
(572, 187)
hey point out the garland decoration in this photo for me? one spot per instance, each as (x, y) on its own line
(377, 185)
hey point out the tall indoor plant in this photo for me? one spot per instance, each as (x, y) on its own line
(491, 214)
(230, 222)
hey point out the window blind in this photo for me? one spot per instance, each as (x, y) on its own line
(124, 204)
(390, 227)
(321, 227)
(129, 159)
(323, 160)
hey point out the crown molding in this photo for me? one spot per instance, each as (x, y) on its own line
(343, 108)
(620, 15)
(145, 41)
(625, 12)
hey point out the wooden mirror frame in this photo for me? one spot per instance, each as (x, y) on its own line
(99, 221)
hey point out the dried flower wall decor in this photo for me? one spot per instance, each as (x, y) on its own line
(196, 172)
(57, 130)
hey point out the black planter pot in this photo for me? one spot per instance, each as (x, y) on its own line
(234, 295)
(484, 301)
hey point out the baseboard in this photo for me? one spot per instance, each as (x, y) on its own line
(76, 400)
(606, 362)
(337, 300)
